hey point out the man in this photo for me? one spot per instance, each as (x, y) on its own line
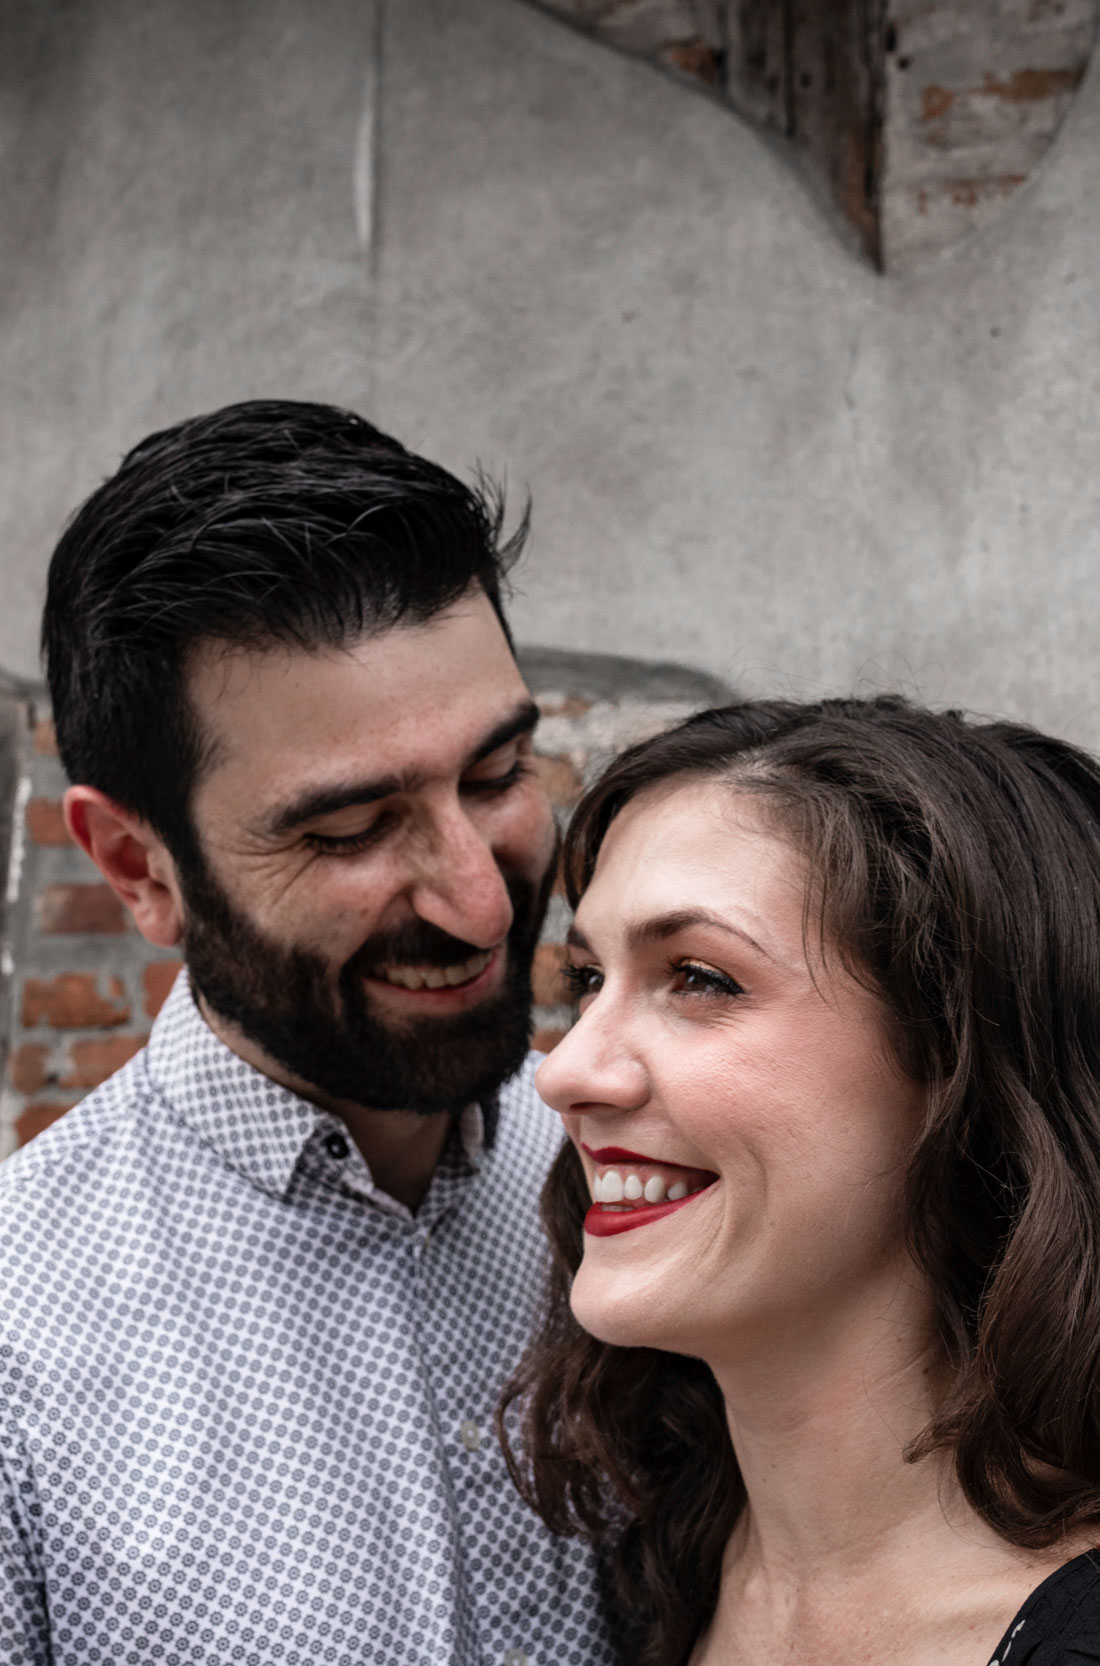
(259, 1292)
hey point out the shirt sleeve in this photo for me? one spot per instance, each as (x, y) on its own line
(24, 1623)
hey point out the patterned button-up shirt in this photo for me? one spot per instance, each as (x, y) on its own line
(246, 1397)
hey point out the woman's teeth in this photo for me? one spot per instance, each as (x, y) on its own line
(619, 1186)
(435, 977)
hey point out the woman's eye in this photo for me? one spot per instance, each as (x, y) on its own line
(580, 981)
(688, 978)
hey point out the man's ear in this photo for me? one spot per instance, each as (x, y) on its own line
(132, 859)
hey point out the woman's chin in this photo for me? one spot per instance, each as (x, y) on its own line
(626, 1318)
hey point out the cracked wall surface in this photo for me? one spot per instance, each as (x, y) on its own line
(920, 119)
(746, 451)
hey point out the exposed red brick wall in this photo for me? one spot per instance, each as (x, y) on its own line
(85, 984)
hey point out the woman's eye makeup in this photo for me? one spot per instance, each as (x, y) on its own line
(689, 978)
(686, 977)
(580, 981)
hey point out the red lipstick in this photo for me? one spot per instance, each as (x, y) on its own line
(601, 1222)
(616, 1154)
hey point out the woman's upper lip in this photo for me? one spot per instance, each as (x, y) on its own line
(618, 1154)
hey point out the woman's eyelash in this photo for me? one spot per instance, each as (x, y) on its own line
(694, 980)
(578, 980)
(707, 980)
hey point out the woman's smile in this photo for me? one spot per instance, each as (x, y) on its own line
(629, 1190)
(727, 1084)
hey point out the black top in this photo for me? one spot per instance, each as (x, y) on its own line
(1059, 1623)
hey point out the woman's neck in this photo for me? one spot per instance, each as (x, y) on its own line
(845, 1550)
(820, 1414)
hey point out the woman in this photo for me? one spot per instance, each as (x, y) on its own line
(829, 1214)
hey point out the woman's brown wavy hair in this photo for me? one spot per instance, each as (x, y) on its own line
(957, 870)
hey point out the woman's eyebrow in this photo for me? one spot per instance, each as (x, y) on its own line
(644, 932)
(661, 926)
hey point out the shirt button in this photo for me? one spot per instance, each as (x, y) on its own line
(515, 1657)
(470, 1436)
(337, 1146)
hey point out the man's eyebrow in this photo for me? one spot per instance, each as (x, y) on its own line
(343, 795)
(662, 926)
(521, 722)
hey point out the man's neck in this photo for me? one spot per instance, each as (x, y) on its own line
(401, 1148)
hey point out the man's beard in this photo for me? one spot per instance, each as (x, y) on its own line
(321, 1026)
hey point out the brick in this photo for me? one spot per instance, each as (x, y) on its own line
(695, 57)
(73, 1001)
(45, 738)
(546, 1040)
(560, 781)
(567, 705)
(156, 980)
(29, 1067)
(33, 1118)
(64, 909)
(545, 975)
(91, 1062)
(46, 822)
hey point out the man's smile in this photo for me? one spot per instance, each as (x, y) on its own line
(433, 986)
(434, 977)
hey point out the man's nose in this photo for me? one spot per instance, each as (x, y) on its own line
(595, 1067)
(459, 886)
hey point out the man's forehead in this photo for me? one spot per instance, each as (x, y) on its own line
(422, 691)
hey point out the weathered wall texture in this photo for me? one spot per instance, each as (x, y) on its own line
(747, 451)
(917, 120)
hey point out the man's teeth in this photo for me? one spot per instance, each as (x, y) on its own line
(611, 1187)
(435, 977)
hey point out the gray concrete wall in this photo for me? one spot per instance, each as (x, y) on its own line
(747, 452)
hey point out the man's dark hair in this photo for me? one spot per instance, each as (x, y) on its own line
(956, 872)
(268, 522)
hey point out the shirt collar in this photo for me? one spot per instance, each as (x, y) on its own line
(256, 1126)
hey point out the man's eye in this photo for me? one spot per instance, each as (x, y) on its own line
(496, 783)
(580, 981)
(689, 978)
(345, 844)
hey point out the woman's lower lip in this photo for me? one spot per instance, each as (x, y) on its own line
(602, 1222)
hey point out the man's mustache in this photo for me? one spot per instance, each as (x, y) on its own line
(417, 943)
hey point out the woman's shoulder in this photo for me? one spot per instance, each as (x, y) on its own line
(1059, 1624)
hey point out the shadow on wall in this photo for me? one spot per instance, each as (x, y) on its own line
(79, 987)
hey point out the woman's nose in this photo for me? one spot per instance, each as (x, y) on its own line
(594, 1067)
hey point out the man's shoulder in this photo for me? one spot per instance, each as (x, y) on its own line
(63, 1165)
